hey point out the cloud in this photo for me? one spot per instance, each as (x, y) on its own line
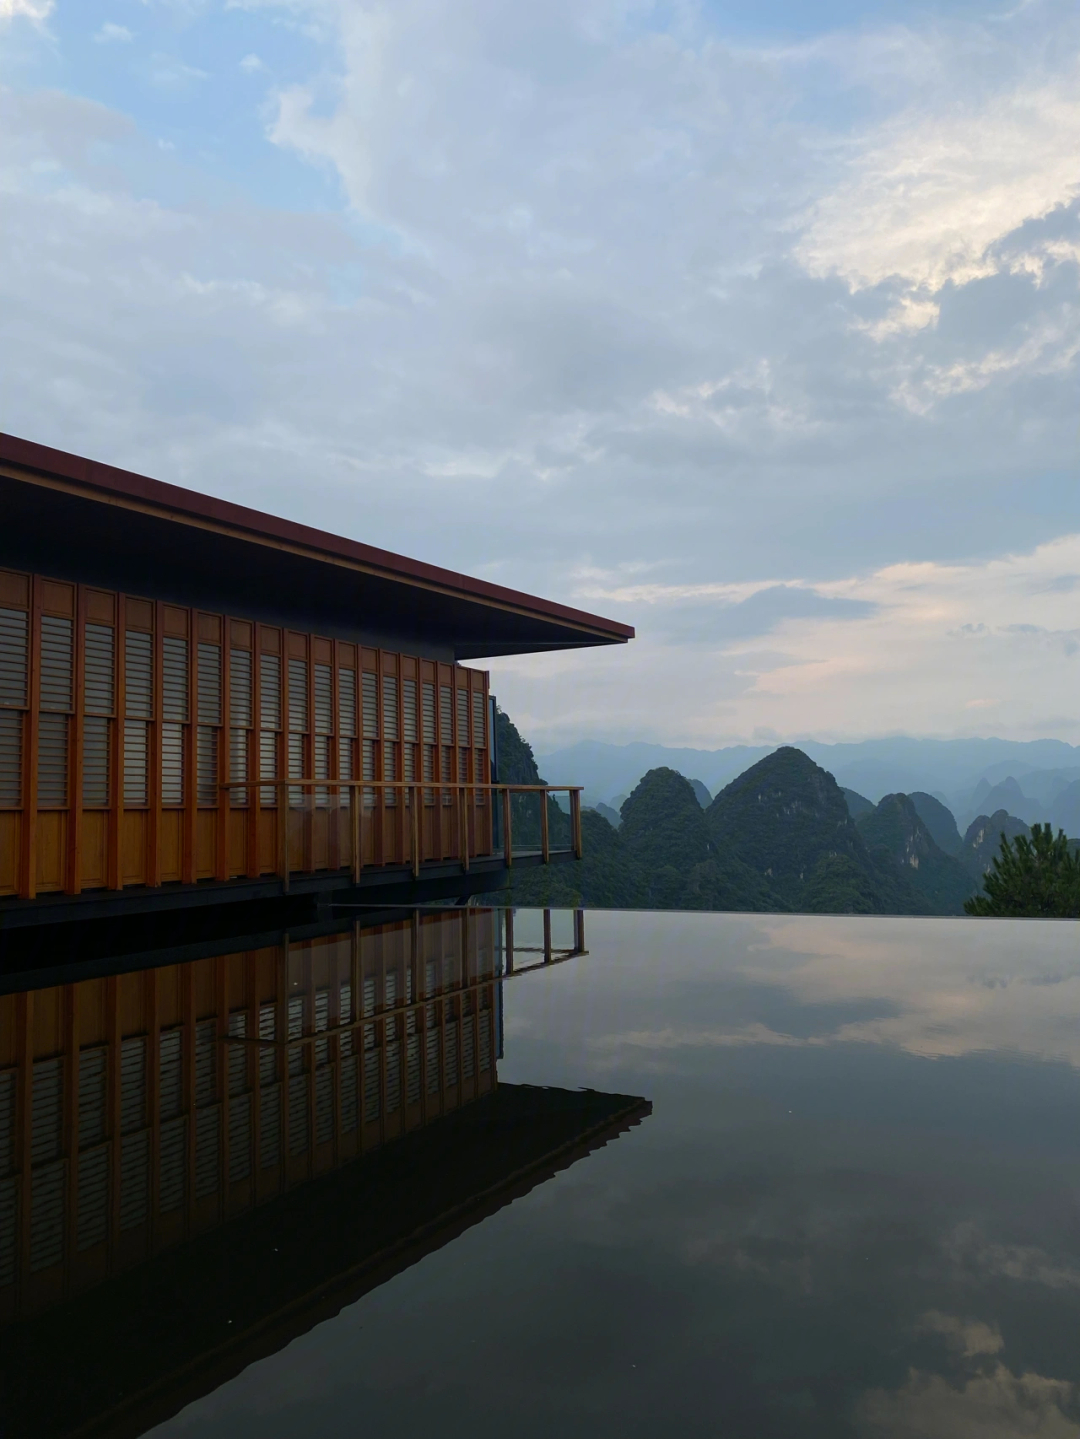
(35, 10)
(932, 196)
(912, 647)
(111, 34)
(168, 72)
(723, 337)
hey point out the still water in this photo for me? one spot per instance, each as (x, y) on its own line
(751, 1175)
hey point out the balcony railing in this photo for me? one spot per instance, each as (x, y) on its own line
(414, 822)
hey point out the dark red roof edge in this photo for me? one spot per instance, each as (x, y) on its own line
(111, 480)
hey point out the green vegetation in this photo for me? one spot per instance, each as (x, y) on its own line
(857, 804)
(782, 837)
(1031, 878)
(895, 831)
(983, 835)
(939, 820)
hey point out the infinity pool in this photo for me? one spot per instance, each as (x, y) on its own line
(839, 1194)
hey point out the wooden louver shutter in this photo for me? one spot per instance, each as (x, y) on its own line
(269, 723)
(298, 696)
(57, 674)
(174, 679)
(138, 708)
(99, 697)
(390, 732)
(174, 711)
(208, 663)
(463, 717)
(208, 705)
(240, 706)
(14, 684)
(478, 708)
(241, 717)
(14, 657)
(324, 700)
(99, 687)
(11, 730)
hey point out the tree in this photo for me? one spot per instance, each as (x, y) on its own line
(1036, 878)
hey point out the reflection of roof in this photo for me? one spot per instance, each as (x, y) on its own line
(132, 1351)
(165, 535)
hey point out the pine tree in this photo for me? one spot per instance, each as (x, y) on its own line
(1036, 878)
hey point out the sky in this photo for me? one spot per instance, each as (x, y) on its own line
(753, 325)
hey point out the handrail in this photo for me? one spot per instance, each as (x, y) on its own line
(417, 789)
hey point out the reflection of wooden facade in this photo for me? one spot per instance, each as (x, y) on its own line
(139, 1110)
(121, 718)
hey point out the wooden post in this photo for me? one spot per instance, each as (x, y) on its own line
(545, 844)
(415, 799)
(508, 850)
(575, 821)
(547, 935)
(463, 825)
(509, 941)
(357, 797)
(282, 793)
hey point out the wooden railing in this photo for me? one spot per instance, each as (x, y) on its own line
(369, 802)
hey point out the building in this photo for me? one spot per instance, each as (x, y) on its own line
(200, 703)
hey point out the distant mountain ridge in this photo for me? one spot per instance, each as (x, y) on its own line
(962, 774)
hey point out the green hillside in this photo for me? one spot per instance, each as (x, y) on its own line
(894, 832)
(780, 837)
(939, 820)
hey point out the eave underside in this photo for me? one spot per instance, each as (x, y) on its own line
(81, 537)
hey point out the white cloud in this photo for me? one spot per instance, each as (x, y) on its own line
(112, 34)
(912, 647)
(251, 64)
(36, 10)
(929, 195)
(639, 320)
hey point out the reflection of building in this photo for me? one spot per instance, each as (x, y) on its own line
(138, 1111)
(169, 661)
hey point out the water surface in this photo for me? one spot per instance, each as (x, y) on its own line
(854, 1208)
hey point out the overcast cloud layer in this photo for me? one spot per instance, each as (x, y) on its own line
(759, 333)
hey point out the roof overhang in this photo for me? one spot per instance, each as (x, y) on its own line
(112, 527)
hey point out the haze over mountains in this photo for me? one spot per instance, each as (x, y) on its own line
(781, 836)
(1037, 780)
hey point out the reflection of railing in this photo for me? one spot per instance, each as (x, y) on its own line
(551, 954)
(469, 985)
(403, 821)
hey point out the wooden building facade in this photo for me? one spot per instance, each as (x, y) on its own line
(124, 719)
(170, 662)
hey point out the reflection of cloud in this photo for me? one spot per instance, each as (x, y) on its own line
(937, 988)
(969, 1336)
(971, 1252)
(998, 1405)
(960, 987)
(673, 1038)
